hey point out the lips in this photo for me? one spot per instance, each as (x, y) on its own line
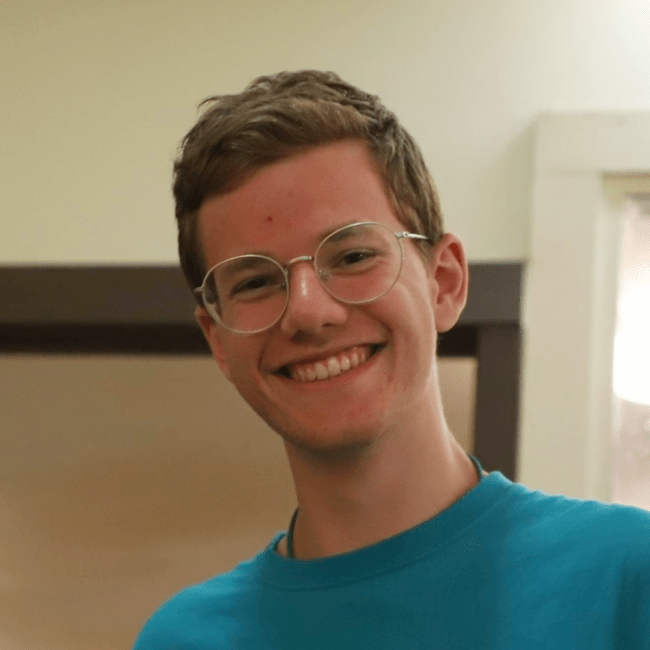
(330, 366)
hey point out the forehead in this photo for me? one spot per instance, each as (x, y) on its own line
(292, 204)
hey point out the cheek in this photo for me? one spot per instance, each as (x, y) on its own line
(233, 356)
(245, 355)
(244, 382)
(417, 301)
(414, 318)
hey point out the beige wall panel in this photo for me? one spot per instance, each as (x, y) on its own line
(124, 479)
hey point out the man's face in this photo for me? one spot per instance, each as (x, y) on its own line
(284, 211)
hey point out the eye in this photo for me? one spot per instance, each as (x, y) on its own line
(356, 257)
(252, 284)
(256, 287)
(352, 260)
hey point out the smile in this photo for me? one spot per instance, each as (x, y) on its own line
(331, 366)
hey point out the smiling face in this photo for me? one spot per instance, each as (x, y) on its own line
(329, 376)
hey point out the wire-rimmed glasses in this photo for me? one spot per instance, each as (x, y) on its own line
(356, 264)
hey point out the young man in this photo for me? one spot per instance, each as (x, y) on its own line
(311, 233)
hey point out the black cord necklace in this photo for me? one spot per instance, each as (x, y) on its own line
(292, 525)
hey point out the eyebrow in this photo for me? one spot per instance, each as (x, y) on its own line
(323, 235)
(346, 231)
(243, 263)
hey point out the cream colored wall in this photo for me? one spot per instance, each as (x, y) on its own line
(95, 97)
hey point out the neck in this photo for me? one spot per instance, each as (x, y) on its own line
(398, 483)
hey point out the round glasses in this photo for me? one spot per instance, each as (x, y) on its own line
(356, 264)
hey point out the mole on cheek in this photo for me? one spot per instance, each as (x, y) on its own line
(269, 219)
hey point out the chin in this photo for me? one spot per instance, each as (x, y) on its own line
(327, 451)
(331, 443)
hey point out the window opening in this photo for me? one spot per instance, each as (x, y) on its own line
(631, 377)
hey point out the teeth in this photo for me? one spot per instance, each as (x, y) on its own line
(333, 367)
(330, 367)
(321, 371)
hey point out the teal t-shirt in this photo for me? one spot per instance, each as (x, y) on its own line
(504, 567)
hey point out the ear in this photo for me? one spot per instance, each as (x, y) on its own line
(450, 277)
(212, 333)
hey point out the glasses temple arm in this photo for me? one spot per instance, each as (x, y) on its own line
(411, 235)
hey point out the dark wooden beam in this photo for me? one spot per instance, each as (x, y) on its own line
(150, 310)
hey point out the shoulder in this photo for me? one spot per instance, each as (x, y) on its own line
(192, 612)
(580, 513)
(538, 516)
(586, 527)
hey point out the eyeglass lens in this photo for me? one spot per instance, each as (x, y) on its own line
(356, 264)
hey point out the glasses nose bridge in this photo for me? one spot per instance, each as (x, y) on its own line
(297, 260)
(305, 258)
(301, 258)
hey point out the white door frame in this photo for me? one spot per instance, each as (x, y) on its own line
(584, 166)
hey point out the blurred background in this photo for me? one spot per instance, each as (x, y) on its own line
(123, 479)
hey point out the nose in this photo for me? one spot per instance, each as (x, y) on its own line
(310, 307)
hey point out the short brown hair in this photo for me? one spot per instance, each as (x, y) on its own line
(278, 116)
